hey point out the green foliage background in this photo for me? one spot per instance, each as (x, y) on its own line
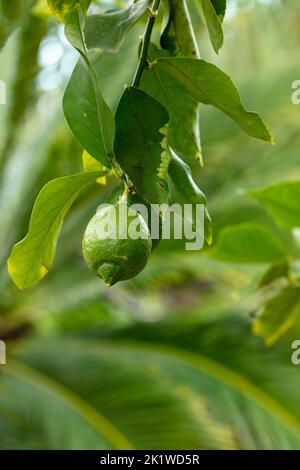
(168, 359)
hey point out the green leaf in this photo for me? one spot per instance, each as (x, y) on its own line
(209, 85)
(82, 394)
(232, 369)
(32, 257)
(184, 129)
(168, 40)
(84, 92)
(239, 377)
(274, 272)
(74, 31)
(81, 112)
(63, 8)
(179, 32)
(138, 149)
(184, 190)
(213, 25)
(278, 315)
(248, 243)
(107, 31)
(220, 7)
(282, 202)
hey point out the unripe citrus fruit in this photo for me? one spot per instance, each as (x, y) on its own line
(108, 248)
(134, 198)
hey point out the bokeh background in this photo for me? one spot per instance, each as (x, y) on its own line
(167, 360)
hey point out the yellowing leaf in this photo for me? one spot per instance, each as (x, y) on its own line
(91, 164)
(62, 8)
(41, 9)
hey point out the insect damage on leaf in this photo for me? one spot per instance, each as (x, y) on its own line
(165, 155)
(149, 142)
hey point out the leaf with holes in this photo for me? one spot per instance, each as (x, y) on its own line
(184, 129)
(184, 190)
(138, 150)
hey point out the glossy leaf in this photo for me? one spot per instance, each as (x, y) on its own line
(139, 119)
(81, 112)
(168, 40)
(91, 96)
(209, 85)
(282, 202)
(32, 257)
(107, 31)
(248, 243)
(184, 190)
(184, 129)
(278, 315)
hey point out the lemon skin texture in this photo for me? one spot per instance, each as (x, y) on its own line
(117, 257)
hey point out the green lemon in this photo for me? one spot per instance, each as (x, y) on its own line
(134, 198)
(108, 247)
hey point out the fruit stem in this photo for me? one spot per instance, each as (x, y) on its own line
(142, 63)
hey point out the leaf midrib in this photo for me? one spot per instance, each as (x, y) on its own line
(73, 401)
(231, 113)
(219, 372)
(44, 239)
(197, 361)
